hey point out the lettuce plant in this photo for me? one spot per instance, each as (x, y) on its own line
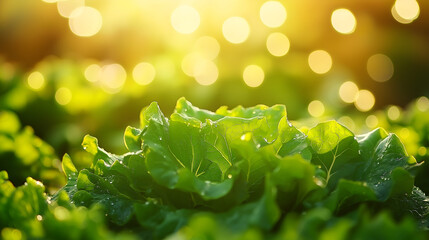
(28, 213)
(250, 171)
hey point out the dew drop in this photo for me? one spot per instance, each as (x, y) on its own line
(229, 176)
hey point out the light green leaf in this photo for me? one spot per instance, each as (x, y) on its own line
(151, 113)
(90, 144)
(186, 108)
(335, 149)
(291, 141)
(68, 167)
(132, 139)
(270, 115)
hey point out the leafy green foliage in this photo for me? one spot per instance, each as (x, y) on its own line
(245, 173)
(23, 154)
(27, 213)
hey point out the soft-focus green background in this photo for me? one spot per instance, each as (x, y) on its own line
(73, 67)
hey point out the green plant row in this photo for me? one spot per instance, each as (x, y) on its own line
(23, 154)
(245, 173)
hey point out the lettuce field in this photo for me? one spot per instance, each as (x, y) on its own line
(145, 119)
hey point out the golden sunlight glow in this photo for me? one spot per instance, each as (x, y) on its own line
(422, 104)
(85, 21)
(380, 67)
(365, 101)
(208, 47)
(50, 1)
(405, 11)
(205, 72)
(320, 61)
(393, 113)
(398, 18)
(273, 14)
(92, 72)
(278, 44)
(235, 30)
(253, 75)
(112, 77)
(371, 121)
(144, 73)
(316, 108)
(63, 96)
(189, 62)
(404, 133)
(343, 21)
(185, 19)
(348, 92)
(66, 7)
(36, 80)
(11, 234)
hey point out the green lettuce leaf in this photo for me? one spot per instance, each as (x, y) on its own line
(335, 149)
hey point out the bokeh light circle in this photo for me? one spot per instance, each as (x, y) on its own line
(348, 92)
(422, 104)
(320, 61)
(273, 14)
(365, 100)
(185, 19)
(205, 72)
(66, 7)
(36, 80)
(316, 108)
(393, 113)
(371, 121)
(343, 21)
(253, 76)
(278, 44)
(405, 11)
(112, 77)
(144, 73)
(380, 67)
(235, 30)
(92, 72)
(85, 21)
(63, 96)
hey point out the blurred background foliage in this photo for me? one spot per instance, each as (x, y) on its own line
(71, 67)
